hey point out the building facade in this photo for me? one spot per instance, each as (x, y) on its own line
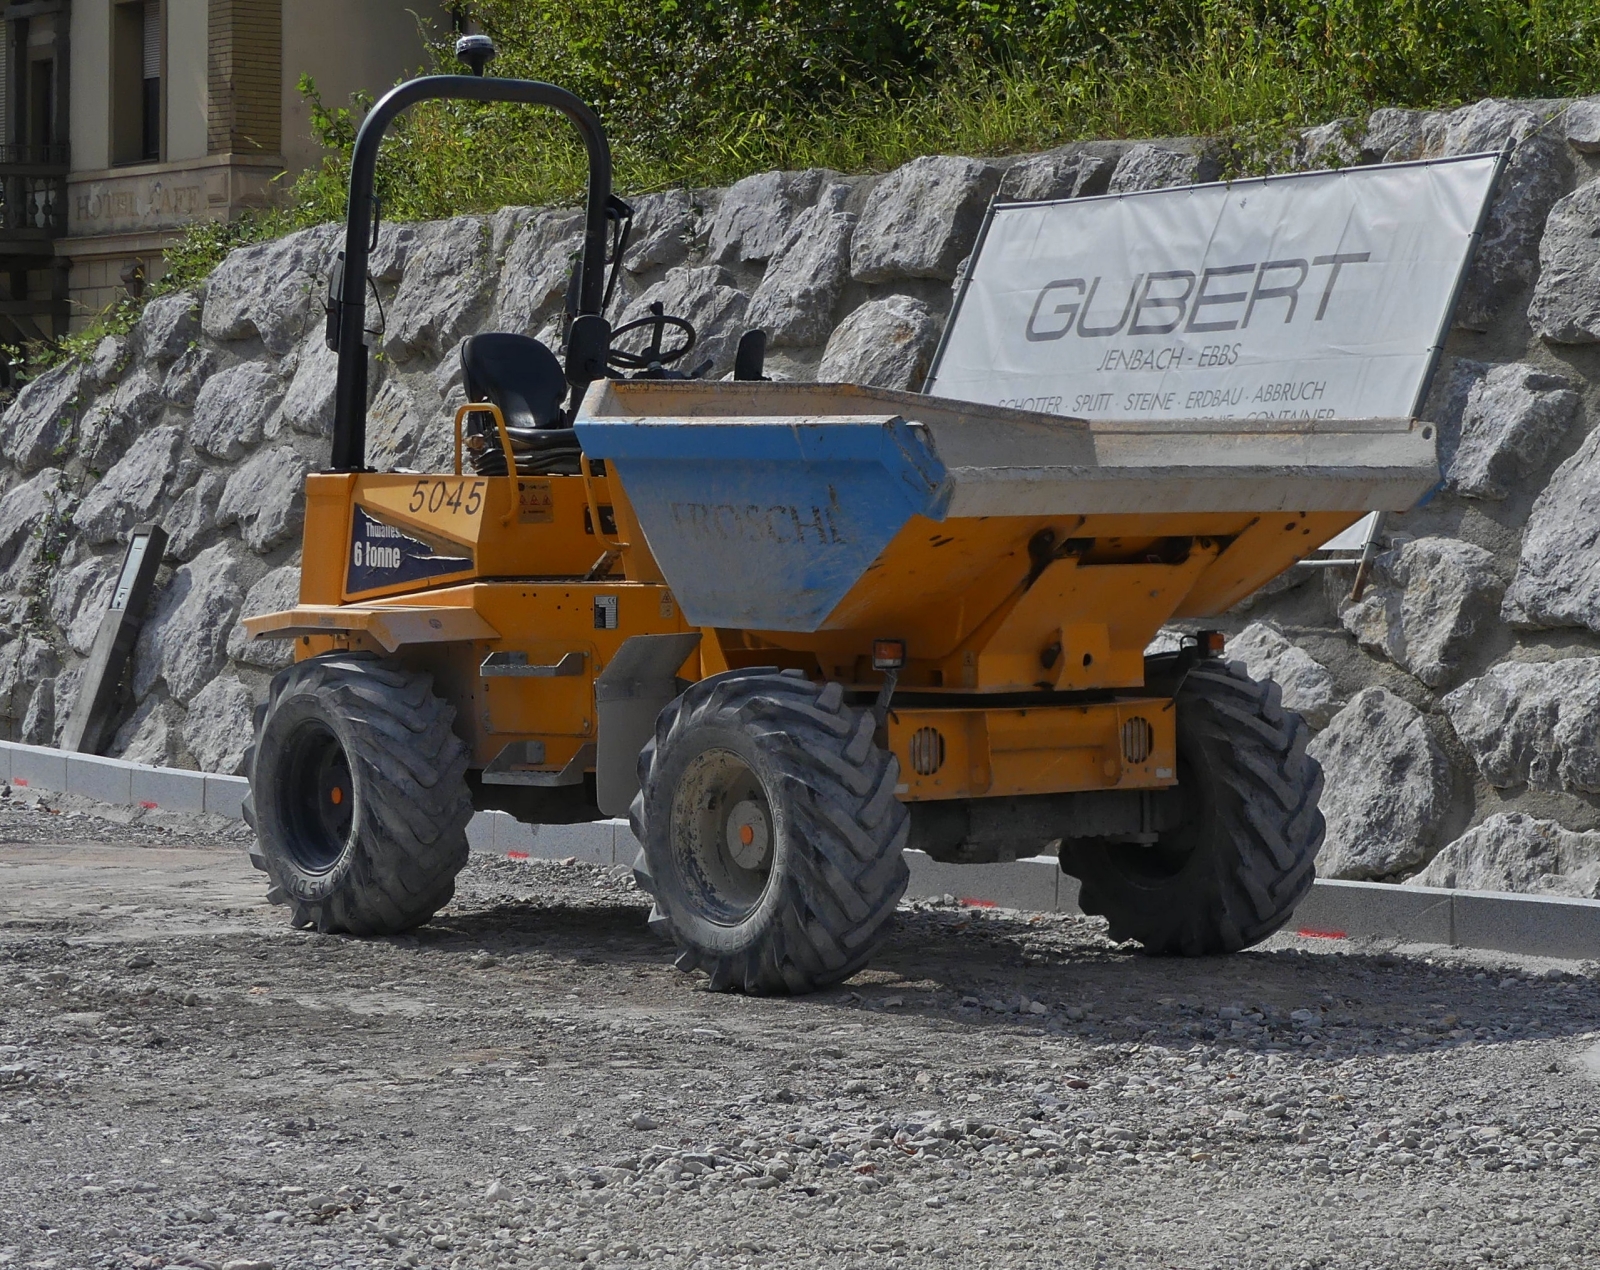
(124, 121)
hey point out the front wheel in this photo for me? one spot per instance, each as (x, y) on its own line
(1244, 853)
(358, 796)
(771, 835)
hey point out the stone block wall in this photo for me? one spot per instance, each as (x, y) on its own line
(1457, 704)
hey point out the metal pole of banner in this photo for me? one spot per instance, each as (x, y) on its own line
(1368, 551)
(113, 642)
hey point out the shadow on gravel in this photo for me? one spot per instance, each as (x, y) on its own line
(588, 933)
(1058, 975)
(1287, 1000)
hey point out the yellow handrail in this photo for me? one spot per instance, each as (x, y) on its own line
(505, 446)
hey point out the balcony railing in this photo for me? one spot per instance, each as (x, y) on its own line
(58, 155)
(33, 189)
(33, 203)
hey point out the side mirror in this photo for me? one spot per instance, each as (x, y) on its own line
(750, 359)
(332, 305)
(588, 345)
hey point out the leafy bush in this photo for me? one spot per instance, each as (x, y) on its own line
(705, 91)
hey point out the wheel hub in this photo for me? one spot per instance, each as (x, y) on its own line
(748, 834)
(723, 835)
(317, 798)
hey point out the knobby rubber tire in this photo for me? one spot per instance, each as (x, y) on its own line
(1246, 853)
(408, 819)
(836, 872)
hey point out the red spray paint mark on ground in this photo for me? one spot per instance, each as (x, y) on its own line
(1305, 932)
(516, 855)
(17, 780)
(148, 806)
(977, 903)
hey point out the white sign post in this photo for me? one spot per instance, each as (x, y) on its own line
(1319, 295)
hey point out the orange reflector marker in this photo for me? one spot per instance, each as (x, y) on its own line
(888, 654)
(747, 834)
(1212, 643)
(337, 795)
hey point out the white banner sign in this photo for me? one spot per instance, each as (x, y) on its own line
(1315, 296)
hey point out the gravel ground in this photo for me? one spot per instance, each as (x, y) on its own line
(186, 1081)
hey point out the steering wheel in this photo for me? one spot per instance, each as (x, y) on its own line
(658, 322)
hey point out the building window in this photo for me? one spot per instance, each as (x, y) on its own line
(136, 81)
(152, 79)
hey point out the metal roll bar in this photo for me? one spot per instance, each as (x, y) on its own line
(350, 396)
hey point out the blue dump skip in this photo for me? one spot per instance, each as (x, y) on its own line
(767, 525)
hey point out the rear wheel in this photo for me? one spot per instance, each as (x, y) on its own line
(358, 796)
(1244, 854)
(771, 835)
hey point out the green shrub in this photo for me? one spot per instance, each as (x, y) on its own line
(705, 91)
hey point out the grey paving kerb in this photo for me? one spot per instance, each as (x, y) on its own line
(1529, 925)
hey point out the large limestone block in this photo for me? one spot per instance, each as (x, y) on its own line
(1515, 852)
(1386, 786)
(37, 427)
(167, 326)
(274, 290)
(706, 297)
(219, 725)
(33, 520)
(111, 423)
(24, 662)
(794, 303)
(274, 592)
(186, 376)
(132, 490)
(755, 214)
(1507, 254)
(1307, 685)
(183, 642)
(265, 497)
(1436, 594)
(234, 410)
(1533, 723)
(1056, 176)
(387, 260)
(78, 599)
(538, 264)
(1557, 582)
(664, 227)
(109, 359)
(1514, 416)
(1151, 167)
(191, 520)
(151, 734)
(1581, 126)
(885, 344)
(396, 430)
(1565, 308)
(39, 720)
(1330, 145)
(1395, 135)
(444, 291)
(308, 404)
(921, 220)
(1447, 403)
(1487, 125)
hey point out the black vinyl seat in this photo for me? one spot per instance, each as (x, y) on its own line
(523, 378)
